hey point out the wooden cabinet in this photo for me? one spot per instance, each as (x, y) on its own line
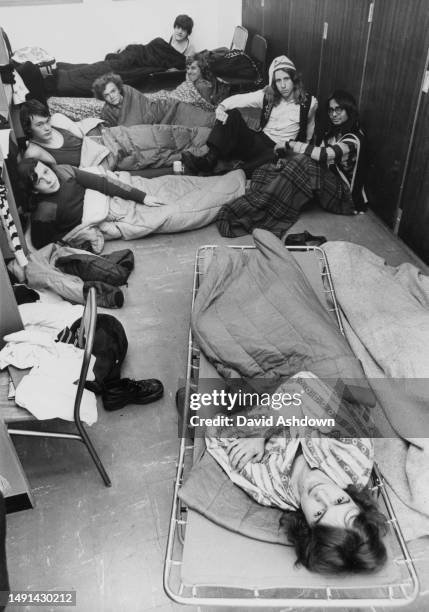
(346, 35)
(414, 225)
(396, 57)
(276, 27)
(306, 36)
(252, 17)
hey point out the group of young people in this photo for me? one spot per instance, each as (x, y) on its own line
(335, 528)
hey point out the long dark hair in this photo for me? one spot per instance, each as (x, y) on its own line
(345, 100)
(332, 550)
(28, 178)
(298, 86)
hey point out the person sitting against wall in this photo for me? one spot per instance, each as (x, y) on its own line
(290, 114)
(134, 63)
(331, 173)
(201, 88)
(317, 477)
(182, 29)
(342, 149)
(60, 140)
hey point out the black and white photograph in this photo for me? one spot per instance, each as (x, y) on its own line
(214, 305)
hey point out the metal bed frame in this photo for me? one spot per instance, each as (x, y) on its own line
(398, 594)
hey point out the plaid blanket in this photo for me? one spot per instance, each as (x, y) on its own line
(278, 193)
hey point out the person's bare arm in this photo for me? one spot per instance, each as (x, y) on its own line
(36, 152)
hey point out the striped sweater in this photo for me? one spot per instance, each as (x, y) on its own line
(340, 155)
(340, 452)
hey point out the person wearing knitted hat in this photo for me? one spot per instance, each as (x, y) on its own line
(287, 114)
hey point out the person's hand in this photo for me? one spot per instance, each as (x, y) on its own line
(243, 450)
(221, 114)
(269, 94)
(153, 201)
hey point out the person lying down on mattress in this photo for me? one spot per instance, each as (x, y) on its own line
(319, 479)
(77, 206)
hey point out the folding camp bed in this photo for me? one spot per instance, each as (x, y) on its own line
(209, 565)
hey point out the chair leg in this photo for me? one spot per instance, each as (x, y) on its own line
(87, 441)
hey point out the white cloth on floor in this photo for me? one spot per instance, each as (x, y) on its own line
(53, 318)
(24, 349)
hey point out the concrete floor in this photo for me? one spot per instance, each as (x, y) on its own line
(108, 544)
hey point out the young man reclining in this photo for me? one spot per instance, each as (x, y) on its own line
(59, 140)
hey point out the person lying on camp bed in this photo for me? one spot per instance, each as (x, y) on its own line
(59, 140)
(317, 475)
(125, 105)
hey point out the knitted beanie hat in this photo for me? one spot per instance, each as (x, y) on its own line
(280, 63)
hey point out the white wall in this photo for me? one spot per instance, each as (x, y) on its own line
(85, 32)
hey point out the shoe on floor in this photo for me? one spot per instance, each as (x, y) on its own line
(119, 393)
(194, 164)
(304, 239)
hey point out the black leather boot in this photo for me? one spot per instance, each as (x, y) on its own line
(194, 164)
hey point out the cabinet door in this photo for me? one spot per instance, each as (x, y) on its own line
(252, 18)
(305, 39)
(344, 48)
(414, 226)
(277, 26)
(396, 59)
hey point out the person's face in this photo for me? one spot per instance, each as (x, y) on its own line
(112, 95)
(41, 128)
(337, 114)
(323, 502)
(47, 181)
(283, 83)
(180, 34)
(193, 71)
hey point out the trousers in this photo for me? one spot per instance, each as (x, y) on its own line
(234, 139)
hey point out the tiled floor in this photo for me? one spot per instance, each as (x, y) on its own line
(108, 544)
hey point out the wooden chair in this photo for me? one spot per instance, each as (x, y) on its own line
(20, 415)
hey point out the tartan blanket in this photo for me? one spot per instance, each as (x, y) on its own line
(278, 193)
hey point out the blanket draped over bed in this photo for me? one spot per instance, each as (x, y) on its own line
(386, 321)
(257, 316)
(132, 64)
